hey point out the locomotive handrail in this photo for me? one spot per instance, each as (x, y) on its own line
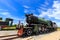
(34, 24)
(27, 27)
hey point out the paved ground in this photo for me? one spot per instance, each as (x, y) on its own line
(11, 35)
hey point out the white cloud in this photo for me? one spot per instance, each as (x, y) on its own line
(29, 11)
(26, 11)
(44, 6)
(25, 6)
(1, 9)
(46, 3)
(56, 10)
(8, 4)
(7, 14)
(52, 12)
(16, 19)
(43, 13)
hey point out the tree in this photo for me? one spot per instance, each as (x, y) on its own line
(1, 18)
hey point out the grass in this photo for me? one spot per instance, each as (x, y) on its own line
(58, 28)
(9, 28)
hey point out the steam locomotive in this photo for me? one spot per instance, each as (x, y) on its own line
(37, 25)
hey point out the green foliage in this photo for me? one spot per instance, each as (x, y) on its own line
(14, 25)
(9, 28)
(0, 18)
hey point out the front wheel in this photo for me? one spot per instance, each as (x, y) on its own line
(29, 32)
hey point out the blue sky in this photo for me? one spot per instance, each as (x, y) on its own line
(16, 9)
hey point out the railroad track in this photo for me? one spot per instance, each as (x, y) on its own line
(48, 36)
(9, 37)
(13, 37)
